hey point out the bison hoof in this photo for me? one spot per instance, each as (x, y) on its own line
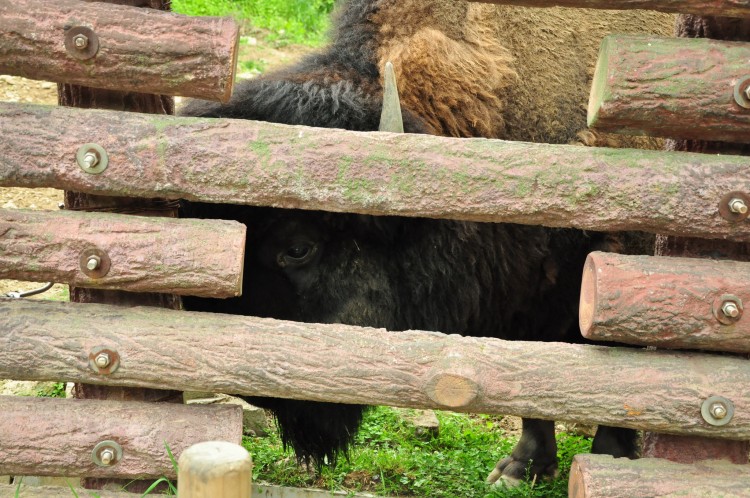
(511, 472)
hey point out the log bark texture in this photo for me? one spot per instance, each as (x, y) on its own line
(657, 390)
(666, 302)
(246, 162)
(140, 254)
(138, 50)
(47, 436)
(602, 476)
(130, 101)
(59, 492)
(673, 88)
(730, 8)
(692, 449)
(668, 445)
(215, 469)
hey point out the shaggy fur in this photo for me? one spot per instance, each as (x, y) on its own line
(460, 74)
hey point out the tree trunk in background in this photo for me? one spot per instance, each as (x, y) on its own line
(85, 97)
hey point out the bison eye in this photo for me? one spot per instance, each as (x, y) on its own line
(296, 254)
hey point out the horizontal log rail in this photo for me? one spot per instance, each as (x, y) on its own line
(58, 437)
(678, 303)
(656, 390)
(601, 476)
(25, 491)
(247, 162)
(134, 253)
(727, 8)
(674, 88)
(119, 48)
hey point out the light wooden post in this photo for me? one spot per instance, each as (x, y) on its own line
(215, 469)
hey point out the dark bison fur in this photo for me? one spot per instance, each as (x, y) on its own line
(480, 279)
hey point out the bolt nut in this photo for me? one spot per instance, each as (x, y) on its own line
(102, 360)
(106, 453)
(93, 262)
(90, 160)
(730, 309)
(81, 41)
(737, 206)
(718, 410)
(107, 456)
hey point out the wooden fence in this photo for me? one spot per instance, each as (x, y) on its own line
(655, 301)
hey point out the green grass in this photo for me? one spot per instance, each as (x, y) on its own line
(287, 21)
(389, 459)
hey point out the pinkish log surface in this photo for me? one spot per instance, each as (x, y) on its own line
(138, 50)
(192, 257)
(247, 162)
(690, 449)
(164, 349)
(665, 301)
(671, 87)
(48, 436)
(729, 8)
(601, 476)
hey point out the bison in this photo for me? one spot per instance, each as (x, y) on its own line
(464, 70)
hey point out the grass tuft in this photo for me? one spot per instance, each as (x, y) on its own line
(389, 459)
(286, 21)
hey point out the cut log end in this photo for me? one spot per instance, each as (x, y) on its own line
(215, 468)
(598, 84)
(576, 486)
(451, 390)
(587, 304)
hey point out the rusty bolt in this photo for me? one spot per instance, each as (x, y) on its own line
(107, 456)
(718, 410)
(81, 41)
(738, 206)
(730, 309)
(93, 262)
(102, 360)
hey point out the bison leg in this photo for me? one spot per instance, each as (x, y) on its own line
(615, 441)
(534, 457)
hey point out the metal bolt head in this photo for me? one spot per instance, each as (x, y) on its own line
(718, 410)
(737, 206)
(93, 262)
(102, 360)
(81, 41)
(730, 309)
(90, 160)
(107, 456)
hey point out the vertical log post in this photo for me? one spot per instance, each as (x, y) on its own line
(689, 449)
(215, 469)
(85, 97)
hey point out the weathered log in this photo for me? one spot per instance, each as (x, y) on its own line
(25, 491)
(134, 253)
(677, 303)
(674, 88)
(692, 449)
(119, 47)
(215, 468)
(658, 390)
(601, 476)
(47, 436)
(729, 8)
(247, 162)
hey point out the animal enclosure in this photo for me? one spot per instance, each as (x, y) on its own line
(107, 155)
